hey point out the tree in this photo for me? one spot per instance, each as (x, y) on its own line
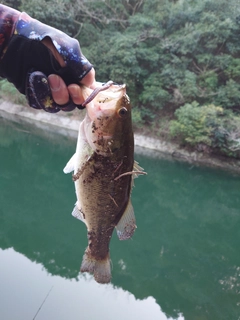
(168, 52)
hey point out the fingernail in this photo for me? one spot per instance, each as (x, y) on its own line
(54, 82)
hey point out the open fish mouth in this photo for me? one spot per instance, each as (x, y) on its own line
(113, 89)
(102, 101)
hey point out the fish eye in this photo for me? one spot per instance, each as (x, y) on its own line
(122, 112)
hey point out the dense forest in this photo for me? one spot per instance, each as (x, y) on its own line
(180, 60)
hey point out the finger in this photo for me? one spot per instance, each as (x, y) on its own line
(59, 89)
(75, 92)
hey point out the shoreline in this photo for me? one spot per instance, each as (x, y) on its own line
(67, 124)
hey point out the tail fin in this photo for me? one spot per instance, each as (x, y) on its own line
(101, 269)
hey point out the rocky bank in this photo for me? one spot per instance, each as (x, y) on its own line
(68, 123)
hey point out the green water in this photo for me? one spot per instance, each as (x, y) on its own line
(182, 263)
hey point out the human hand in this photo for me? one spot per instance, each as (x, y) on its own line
(60, 92)
(44, 63)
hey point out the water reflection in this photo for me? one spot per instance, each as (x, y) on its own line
(184, 254)
(26, 285)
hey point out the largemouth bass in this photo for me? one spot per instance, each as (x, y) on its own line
(104, 169)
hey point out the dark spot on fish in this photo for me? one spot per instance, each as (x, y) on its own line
(103, 101)
(76, 176)
(91, 235)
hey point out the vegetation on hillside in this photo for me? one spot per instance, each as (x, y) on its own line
(179, 58)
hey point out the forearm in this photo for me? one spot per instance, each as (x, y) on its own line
(8, 20)
(31, 51)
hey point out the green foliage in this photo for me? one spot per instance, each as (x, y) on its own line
(208, 125)
(10, 93)
(167, 52)
(227, 135)
(52, 12)
(232, 69)
(229, 95)
(154, 93)
(181, 55)
(13, 3)
(137, 118)
(195, 124)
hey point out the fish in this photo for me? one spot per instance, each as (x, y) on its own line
(103, 169)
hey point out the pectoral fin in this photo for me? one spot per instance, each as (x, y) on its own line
(70, 165)
(136, 169)
(76, 213)
(127, 225)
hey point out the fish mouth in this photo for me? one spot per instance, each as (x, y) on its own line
(101, 110)
(105, 102)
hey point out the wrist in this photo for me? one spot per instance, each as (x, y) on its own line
(65, 49)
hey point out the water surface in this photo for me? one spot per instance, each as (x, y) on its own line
(182, 263)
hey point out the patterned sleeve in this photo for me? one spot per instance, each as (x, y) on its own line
(26, 62)
(68, 47)
(8, 20)
(15, 22)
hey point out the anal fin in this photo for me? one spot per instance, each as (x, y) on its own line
(127, 224)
